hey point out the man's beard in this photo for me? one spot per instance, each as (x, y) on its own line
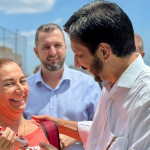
(53, 67)
(97, 67)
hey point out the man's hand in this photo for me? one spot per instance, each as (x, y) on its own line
(67, 127)
(43, 117)
(46, 146)
(66, 141)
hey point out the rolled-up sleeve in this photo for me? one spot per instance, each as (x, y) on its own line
(84, 129)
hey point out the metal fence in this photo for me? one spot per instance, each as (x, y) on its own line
(13, 46)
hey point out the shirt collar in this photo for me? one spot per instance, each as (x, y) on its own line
(65, 76)
(39, 77)
(129, 76)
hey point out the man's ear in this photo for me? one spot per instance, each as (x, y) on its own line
(143, 54)
(105, 51)
(36, 52)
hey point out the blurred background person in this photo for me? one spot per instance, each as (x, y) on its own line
(139, 44)
(37, 69)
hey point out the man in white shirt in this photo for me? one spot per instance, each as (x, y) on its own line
(102, 39)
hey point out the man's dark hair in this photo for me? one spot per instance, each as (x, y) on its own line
(102, 22)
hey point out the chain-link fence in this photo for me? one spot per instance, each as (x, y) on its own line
(13, 46)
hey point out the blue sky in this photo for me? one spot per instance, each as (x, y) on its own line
(27, 15)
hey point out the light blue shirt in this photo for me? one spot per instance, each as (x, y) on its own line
(75, 98)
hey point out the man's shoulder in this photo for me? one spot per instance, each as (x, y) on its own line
(142, 87)
(83, 79)
(31, 78)
(145, 76)
(76, 74)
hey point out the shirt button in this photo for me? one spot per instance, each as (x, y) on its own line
(52, 108)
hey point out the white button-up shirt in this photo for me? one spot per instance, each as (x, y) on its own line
(122, 118)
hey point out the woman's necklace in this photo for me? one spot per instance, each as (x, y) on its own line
(24, 128)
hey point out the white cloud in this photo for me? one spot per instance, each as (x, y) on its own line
(27, 34)
(26, 6)
(58, 21)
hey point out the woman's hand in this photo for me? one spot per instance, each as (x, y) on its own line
(7, 139)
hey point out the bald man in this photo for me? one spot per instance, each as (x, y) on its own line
(139, 44)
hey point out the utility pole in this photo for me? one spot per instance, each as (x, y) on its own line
(4, 51)
(16, 43)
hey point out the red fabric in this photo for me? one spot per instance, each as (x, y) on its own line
(52, 132)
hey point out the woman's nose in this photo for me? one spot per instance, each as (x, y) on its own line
(20, 88)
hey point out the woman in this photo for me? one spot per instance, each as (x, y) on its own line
(13, 97)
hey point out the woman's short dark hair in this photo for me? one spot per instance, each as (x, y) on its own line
(102, 22)
(6, 61)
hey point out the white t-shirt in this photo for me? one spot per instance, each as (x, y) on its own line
(122, 118)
